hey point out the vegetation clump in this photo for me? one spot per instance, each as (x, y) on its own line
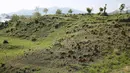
(5, 42)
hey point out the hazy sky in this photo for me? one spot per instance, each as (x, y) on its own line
(7, 6)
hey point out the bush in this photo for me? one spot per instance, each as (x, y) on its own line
(34, 39)
(5, 42)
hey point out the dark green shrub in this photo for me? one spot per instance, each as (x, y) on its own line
(34, 39)
(5, 42)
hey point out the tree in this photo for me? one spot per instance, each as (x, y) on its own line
(89, 10)
(70, 11)
(58, 11)
(101, 10)
(105, 8)
(122, 6)
(36, 14)
(36, 9)
(45, 10)
(22, 17)
(14, 17)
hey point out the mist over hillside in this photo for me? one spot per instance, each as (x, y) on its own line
(51, 10)
(118, 11)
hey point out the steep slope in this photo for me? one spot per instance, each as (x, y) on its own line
(39, 28)
(81, 43)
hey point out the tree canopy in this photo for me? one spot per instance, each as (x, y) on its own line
(45, 10)
(89, 10)
(58, 11)
(70, 11)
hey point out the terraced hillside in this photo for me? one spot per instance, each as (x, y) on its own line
(66, 44)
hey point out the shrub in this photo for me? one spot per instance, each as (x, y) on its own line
(34, 39)
(2, 65)
(5, 42)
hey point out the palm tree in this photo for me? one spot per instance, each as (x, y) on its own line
(101, 10)
(104, 11)
(105, 8)
(70, 11)
(45, 10)
(122, 6)
(89, 10)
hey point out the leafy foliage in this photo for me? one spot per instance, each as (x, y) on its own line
(122, 6)
(36, 15)
(45, 10)
(58, 11)
(15, 18)
(101, 10)
(70, 11)
(89, 10)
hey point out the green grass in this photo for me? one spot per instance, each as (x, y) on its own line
(14, 52)
(53, 37)
(17, 41)
(110, 63)
(45, 43)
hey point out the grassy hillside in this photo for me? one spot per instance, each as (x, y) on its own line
(66, 44)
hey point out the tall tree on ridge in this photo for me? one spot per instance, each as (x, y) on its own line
(89, 10)
(58, 11)
(122, 6)
(70, 11)
(101, 10)
(45, 10)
